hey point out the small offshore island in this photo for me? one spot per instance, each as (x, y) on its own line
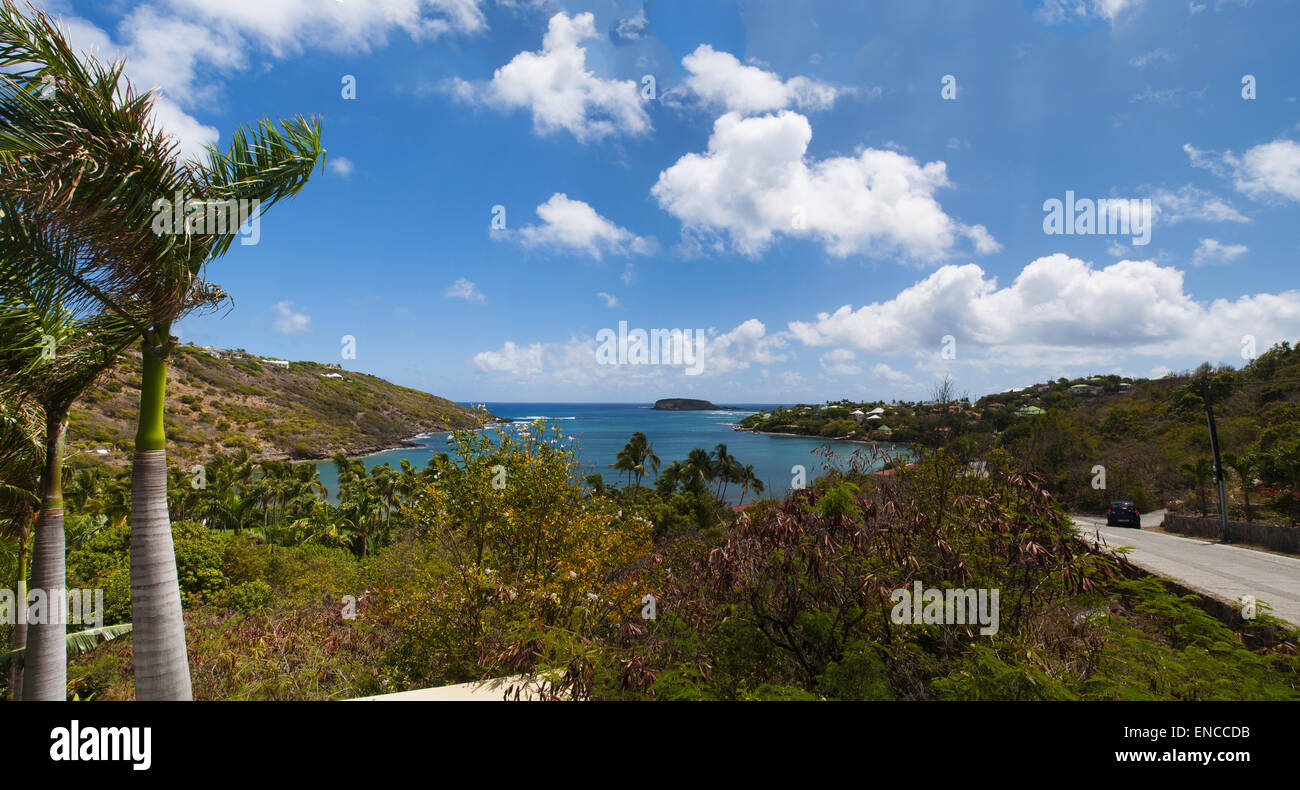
(689, 404)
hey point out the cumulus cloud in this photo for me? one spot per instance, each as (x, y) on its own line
(512, 359)
(718, 79)
(1056, 308)
(1212, 251)
(464, 289)
(574, 226)
(1267, 172)
(555, 85)
(288, 321)
(176, 46)
(756, 182)
(577, 361)
(747, 344)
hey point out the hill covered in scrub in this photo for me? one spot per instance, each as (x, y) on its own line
(218, 401)
(1150, 435)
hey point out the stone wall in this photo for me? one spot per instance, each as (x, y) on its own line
(1255, 532)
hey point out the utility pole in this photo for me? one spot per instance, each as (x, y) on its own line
(1214, 449)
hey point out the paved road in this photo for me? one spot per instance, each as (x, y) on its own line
(1226, 572)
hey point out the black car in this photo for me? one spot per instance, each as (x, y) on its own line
(1123, 514)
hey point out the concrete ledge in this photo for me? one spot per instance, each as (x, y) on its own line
(1271, 535)
(491, 690)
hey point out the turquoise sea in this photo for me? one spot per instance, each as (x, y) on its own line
(601, 429)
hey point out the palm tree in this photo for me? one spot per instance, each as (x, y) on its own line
(1246, 466)
(92, 156)
(749, 481)
(22, 447)
(1200, 472)
(623, 461)
(698, 470)
(725, 468)
(672, 474)
(50, 356)
(636, 457)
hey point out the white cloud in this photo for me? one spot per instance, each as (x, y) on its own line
(574, 226)
(1271, 170)
(756, 182)
(341, 166)
(719, 79)
(511, 359)
(464, 289)
(575, 362)
(883, 371)
(555, 85)
(1211, 251)
(634, 27)
(288, 26)
(1160, 55)
(191, 135)
(840, 362)
(747, 344)
(289, 322)
(1055, 12)
(1192, 203)
(610, 299)
(1057, 308)
(1267, 172)
(183, 47)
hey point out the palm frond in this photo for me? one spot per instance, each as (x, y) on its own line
(78, 643)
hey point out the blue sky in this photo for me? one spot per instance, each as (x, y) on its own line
(846, 199)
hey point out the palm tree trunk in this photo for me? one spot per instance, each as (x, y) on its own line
(46, 660)
(18, 638)
(162, 670)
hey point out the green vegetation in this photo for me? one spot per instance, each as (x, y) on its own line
(1149, 435)
(492, 561)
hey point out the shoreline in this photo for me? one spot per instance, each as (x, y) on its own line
(370, 450)
(737, 427)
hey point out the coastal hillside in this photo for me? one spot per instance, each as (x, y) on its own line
(1149, 435)
(219, 401)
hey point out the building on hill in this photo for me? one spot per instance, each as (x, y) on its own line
(1029, 411)
(856, 415)
(1085, 390)
(279, 363)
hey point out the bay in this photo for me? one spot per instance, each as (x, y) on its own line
(600, 430)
